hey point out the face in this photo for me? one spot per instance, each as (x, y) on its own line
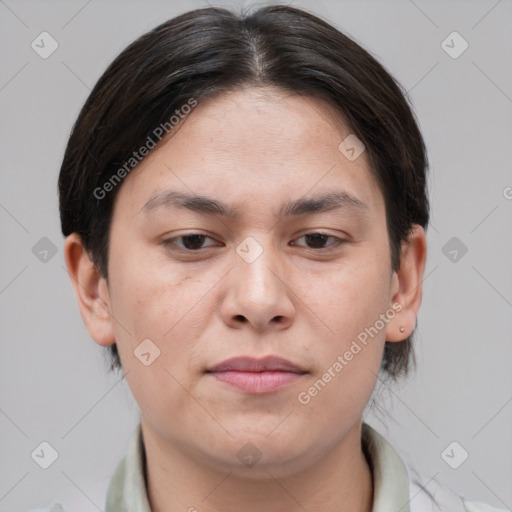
(277, 270)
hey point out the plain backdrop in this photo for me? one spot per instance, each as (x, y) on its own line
(54, 385)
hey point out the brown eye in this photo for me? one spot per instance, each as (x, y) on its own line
(319, 240)
(191, 242)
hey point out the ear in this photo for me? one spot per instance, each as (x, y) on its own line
(407, 285)
(91, 291)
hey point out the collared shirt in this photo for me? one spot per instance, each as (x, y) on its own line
(395, 489)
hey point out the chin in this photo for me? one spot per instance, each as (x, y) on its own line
(260, 457)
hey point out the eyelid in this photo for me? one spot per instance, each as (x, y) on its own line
(337, 241)
(336, 244)
(170, 241)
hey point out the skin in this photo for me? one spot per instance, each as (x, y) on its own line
(254, 149)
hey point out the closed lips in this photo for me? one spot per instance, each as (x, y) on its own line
(250, 364)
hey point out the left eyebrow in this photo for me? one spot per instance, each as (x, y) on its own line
(339, 200)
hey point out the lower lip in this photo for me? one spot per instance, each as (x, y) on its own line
(257, 382)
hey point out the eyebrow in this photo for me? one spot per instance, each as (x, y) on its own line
(204, 205)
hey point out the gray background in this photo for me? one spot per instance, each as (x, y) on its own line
(54, 385)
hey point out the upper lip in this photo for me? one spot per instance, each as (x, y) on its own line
(252, 364)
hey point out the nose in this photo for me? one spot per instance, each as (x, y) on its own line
(258, 294)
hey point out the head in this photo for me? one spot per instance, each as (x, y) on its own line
(248, 184)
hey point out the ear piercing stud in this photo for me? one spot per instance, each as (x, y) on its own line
(402, 329)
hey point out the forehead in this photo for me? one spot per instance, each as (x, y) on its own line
(252, 144)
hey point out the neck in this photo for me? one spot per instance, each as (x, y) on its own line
(339, 481)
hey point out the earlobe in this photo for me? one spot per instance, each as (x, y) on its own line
(407, 285)
(90, 290)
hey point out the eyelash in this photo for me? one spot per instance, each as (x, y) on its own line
(338, 241)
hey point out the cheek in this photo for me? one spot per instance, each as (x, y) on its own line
(349, 357)
(151, 295)
(350, 354)
(153, 303)
(354, 296)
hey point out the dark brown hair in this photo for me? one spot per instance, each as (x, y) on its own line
(213, 50)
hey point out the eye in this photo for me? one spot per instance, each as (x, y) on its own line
(191, 241)
(318, 240)
(194, 241)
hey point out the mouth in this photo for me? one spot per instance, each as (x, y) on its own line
(257, 376)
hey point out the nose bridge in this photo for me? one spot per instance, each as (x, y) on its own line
(257, 293)
(258, 261)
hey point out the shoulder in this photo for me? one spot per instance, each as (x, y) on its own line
(430, 495)
(53, 507)
(476, 506)
(399, 485)
(90, 498)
